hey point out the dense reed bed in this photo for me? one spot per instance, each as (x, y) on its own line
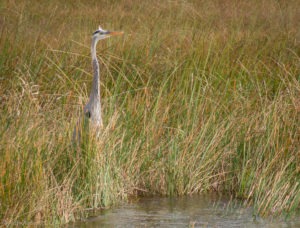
(197, 96)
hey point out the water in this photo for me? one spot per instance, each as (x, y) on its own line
(195, 211)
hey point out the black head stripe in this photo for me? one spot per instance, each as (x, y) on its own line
(101, 32)
(96, 32)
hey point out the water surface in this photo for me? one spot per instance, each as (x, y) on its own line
(194, 211)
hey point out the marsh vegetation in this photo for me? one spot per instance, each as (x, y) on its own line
(197, 96)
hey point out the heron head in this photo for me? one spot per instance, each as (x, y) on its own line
(101, 34)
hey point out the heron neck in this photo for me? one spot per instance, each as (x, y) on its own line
(95, 92)
(93, 48)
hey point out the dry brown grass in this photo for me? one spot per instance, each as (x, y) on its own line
(197, 96)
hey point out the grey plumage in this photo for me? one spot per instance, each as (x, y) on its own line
(92, 109)
(92, 118)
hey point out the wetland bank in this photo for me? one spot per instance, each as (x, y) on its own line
(197, 97)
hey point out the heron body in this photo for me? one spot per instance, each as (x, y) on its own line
(92, 109)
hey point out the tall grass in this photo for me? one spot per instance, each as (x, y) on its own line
(197, 97)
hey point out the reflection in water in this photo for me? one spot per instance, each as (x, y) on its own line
(194, 211)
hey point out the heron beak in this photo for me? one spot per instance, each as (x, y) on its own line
(115, 33)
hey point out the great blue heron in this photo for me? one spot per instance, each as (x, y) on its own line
(92, 110)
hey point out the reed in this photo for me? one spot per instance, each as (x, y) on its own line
(197, 97)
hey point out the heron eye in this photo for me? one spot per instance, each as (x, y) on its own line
(88, 114)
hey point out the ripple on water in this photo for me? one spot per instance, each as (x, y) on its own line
(189, 211)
